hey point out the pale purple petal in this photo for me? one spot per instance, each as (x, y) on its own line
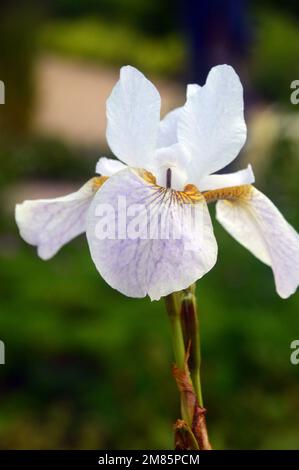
(140, 253)
(51, 223)
(257, 224)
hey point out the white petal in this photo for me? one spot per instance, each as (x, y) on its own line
(133, 114)
(51, 223)
(172, 158)
(107, 166)
(169, 124)
(192, 88)
(142, 261)
(212, 126)
(259, 226)
(168, 128)
(227, 180)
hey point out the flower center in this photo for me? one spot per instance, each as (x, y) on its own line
(169, 168)
(171, 176)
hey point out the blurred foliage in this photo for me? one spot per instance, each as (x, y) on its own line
(115, 44)
(272, 63)
(37, 157)
(149, 16)
(68, 348)
(18, 35)
(274, 56)
(289, 7)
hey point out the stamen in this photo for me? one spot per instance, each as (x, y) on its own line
(168, 178)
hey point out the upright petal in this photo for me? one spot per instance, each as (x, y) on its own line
(258, 225)
(212, 126)
(192, 88)
(51, 223)
(227, 180)
(168, 128)
(144, 239)
(108, 166)
(133, 115)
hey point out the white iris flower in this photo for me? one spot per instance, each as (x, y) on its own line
(168, 165)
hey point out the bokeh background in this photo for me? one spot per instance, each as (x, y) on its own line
(86, 367)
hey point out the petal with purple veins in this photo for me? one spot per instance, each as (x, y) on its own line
(51, 223)
(257, 224)
(163, 239)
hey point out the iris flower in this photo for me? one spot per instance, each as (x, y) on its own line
(168, 165)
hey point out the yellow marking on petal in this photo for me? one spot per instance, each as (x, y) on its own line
(190, 194)
(98, 181)
(148, 176)
(232, 193)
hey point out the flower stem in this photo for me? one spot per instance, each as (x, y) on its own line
(173, 304)
(190, 324)
(177, 340)
(182, 311)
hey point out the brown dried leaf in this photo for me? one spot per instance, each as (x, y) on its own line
(183, 436)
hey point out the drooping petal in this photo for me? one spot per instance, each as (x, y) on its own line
(107, 166)
(258, 225)
(133, 115)
(51, 223)
(147, 240)
(212, 126)
(227, 180)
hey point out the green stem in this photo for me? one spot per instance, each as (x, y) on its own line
(182, 311)
(177, 341)
(173, 309)
(190, 323)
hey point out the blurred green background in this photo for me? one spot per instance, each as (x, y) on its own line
(86, 367)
